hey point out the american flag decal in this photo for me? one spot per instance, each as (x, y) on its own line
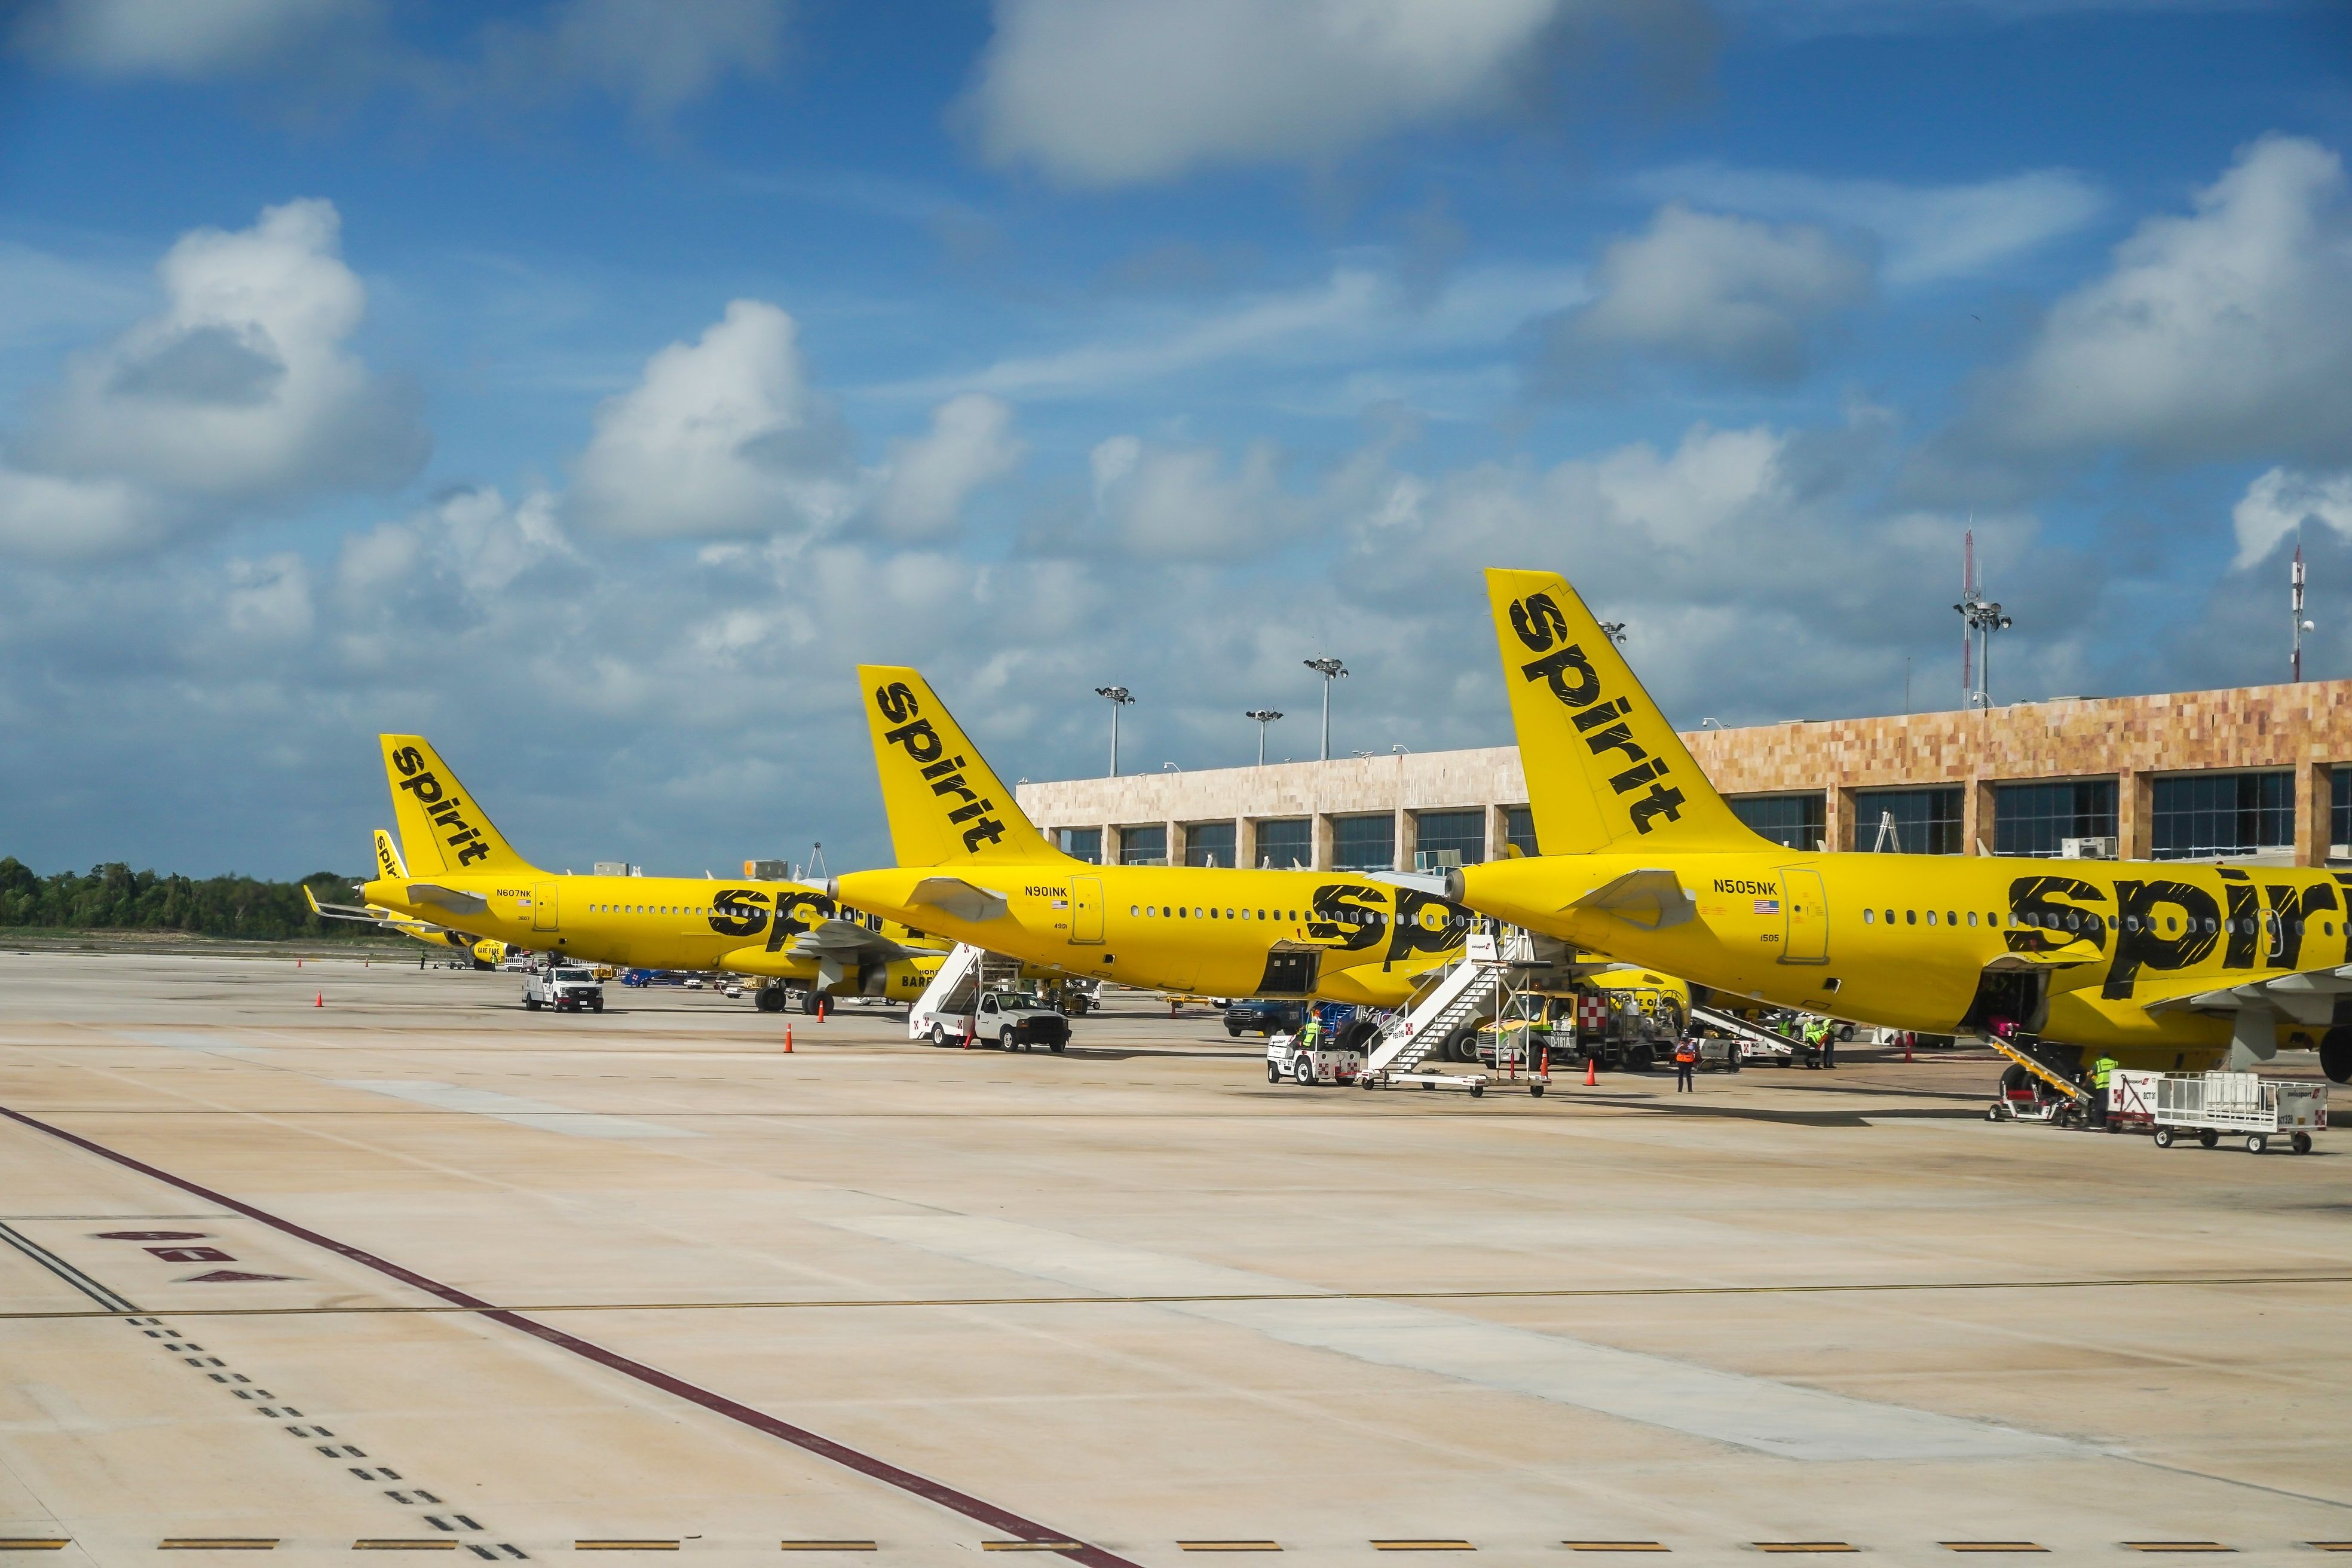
(1767, 906)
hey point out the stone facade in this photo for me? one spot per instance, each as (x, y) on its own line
(2302, 730)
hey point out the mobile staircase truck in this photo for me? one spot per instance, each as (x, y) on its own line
(2241, 1106)
(975, 997)
(1471, 988)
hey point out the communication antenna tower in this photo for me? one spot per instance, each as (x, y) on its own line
(2299, 625)
(1979, 618)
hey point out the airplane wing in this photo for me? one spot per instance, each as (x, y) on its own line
(849, 942)
(965, 900)
(2306, 997)
(1652, 899)
(338, 911)
(457, 900)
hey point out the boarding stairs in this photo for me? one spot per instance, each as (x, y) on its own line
(1465, 992)
(1754, 1042)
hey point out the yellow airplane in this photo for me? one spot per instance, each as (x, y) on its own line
(2161, 965)
(971, 866)
(469, 880)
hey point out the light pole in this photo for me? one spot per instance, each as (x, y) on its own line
(1119, 699)
(1330, 669)
(1263, 716)
(1614, 631)
(2301, 625)
(1984, 617)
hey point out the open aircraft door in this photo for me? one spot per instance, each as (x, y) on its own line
(1085, 909)
(542, 907)
(1805, 908)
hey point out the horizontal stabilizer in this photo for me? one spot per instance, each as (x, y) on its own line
(340, 912)
(1653, 900)
(2307, 997)
(965, 900)
(457, 900)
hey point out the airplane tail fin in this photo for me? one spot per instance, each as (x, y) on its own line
(441, 828)
(944, 804)
(388, 865)
(1604, 769)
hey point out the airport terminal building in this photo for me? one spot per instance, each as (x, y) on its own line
(2260, 773)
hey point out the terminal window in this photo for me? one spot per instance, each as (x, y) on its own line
(2038, 818)
(1143, 846)
(1364, 843)
(1463, 832)
(1791, 821)
(2339, 832)
(1519, 828)
(2199, 816)
(1083, 844)
(1285, 843)
(1209, 843)
(1925, 821)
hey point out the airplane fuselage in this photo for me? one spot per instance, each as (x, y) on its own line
(1946, 943)
(654, 922)
(1202, 929)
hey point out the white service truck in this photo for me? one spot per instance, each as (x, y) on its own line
(564, 987)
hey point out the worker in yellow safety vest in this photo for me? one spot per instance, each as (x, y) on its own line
(2101, 1071)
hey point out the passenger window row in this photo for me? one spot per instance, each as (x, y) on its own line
(2091, 919)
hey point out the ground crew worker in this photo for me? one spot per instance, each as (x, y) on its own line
(1686, 1065)
(1829, 1042)
(1313, 1033)
(2101, 1070)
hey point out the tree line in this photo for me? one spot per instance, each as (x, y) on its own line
(113, 897)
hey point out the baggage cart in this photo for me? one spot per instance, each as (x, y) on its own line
(2245, 1108)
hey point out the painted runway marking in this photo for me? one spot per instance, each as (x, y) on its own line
(535, 1114)
(1756, 1412)
(801, 1438)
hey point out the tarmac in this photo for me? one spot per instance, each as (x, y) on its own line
(343, 1255)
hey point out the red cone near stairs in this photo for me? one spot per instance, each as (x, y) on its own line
(788, 1039)
(322, 1001)
(1591, 1073)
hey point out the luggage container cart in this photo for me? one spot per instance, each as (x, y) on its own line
(2241, 1106)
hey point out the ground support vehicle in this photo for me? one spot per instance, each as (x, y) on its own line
(567, 988)
(2245, 1108)
(1475, 986)
(1268, 1016)
(976, 998)
(1332, 1059)
(1728, 1043)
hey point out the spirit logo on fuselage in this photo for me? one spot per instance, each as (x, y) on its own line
(1350, 916)
(913, 734)
(1602, 722)
(2164, 925)
(447, 810)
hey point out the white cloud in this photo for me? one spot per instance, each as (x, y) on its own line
(242, 388)
(2280, 503)
(969, 444)
(181, 40)
(1929, 233)
(1728, 292)
(1107, 92)
(43, 515)
(1165, 502)
(656, 56)
(2224, 333)
(722, 436)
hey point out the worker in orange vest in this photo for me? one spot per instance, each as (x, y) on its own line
(1686, 1065)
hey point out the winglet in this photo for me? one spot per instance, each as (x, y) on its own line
(1604, 769)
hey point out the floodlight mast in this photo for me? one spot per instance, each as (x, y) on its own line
(1119, 699)
(1330, 669)
(1263, 716)
(1979, 617)
(2299, 625)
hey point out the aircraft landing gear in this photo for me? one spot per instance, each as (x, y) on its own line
(771, 999)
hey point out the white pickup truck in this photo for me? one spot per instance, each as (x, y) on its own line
(565, 988)
(1012, 1019)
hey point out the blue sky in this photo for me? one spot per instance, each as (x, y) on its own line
(590, 383)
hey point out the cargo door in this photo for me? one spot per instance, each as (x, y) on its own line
(1805, 908)
(542, 907)
(1085, 909)
(1291, 970)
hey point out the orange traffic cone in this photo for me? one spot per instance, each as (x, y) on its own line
(322, 1000)
(788, 1039)
(1591, 1071)
(297, 963)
